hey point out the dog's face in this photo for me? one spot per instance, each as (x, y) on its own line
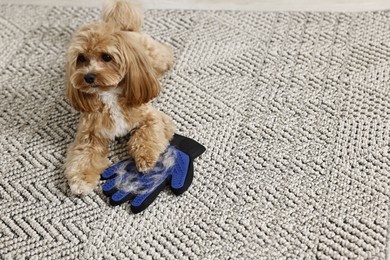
(102, 58)
(96, 59)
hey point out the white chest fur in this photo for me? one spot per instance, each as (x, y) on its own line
(121, 127)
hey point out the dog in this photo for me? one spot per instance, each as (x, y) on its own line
(111, 76)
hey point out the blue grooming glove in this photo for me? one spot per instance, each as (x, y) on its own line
(174, 167)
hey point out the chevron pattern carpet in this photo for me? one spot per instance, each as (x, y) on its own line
(294, 109)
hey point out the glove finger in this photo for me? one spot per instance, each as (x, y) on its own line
(182, 186)
(120, 197)
(136, 185)
(112, 170)
(142, 201)
(109, 187)
(180, 170)
(125, 178)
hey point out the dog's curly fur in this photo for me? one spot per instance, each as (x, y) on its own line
(112, 74)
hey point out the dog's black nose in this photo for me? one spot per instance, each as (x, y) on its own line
(89, 78)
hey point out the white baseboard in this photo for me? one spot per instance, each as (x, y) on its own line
(262, 5)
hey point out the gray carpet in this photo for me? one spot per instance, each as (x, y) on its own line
(294, 109)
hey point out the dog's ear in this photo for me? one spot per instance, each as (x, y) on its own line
(83, 102)
(140, 82)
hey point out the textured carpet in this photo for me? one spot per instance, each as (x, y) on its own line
(294, 109)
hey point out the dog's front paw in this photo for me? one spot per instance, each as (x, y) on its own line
(145, 163)
(81, 187)
(83, 184)
(145, 158)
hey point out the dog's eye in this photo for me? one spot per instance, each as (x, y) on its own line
(106, 57)
(80, 58)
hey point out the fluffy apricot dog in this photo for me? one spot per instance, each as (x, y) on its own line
(112, 74)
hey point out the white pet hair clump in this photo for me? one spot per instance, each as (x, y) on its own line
(128, 178)
(127, 182)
